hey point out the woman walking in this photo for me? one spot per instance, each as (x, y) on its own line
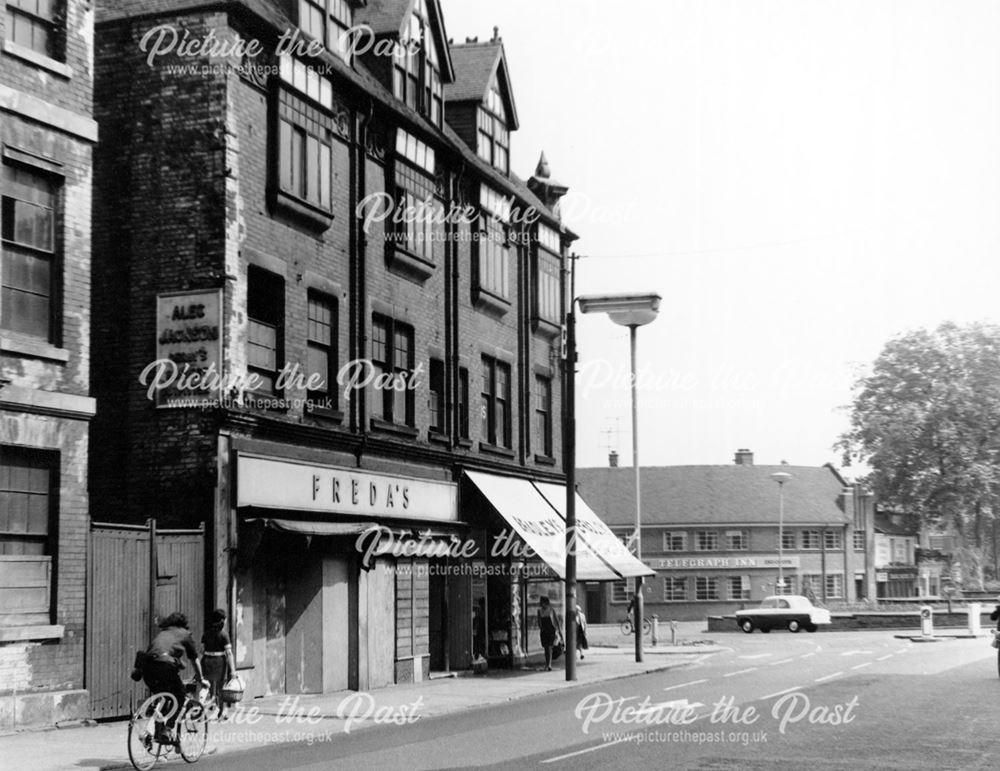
(217, 657)
(548, 628)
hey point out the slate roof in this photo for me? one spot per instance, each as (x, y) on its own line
(475, 64)
(714, 495)
(383, 16)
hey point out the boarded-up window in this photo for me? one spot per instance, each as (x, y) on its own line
(26, 531)
(412, 608)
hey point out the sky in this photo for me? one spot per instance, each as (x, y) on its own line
(801, 181)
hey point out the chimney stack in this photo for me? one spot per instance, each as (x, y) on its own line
(744, 458)
(613, 458)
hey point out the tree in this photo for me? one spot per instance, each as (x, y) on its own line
(927, 423)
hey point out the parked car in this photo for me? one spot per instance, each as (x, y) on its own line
(792, 612)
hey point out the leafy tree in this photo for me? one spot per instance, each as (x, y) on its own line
(927, 423)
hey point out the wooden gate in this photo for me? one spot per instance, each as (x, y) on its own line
(126, 578)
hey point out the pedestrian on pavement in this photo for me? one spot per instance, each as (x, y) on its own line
(581, 632)
(549, 629)
(995, 615)
(162, 668)
(218, 658)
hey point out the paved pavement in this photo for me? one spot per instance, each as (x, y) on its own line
(278, 720)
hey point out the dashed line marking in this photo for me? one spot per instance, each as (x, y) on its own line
(886, 656)
(684, 685)
(756, 656)
(862, 666)
(740, 672)
(783, 661)
(781, 693)
(589, 749)
(808, 655)
(828, 677)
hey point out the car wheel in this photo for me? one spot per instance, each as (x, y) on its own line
(746, 625)
(794, 626)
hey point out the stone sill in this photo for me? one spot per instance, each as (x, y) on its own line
(39, 60)
(36, 349)
(45, 632)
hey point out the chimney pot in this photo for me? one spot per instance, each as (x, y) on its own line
(743, 457)
(613, 458)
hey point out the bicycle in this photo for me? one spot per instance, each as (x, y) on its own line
(149, 739)
(627, 628)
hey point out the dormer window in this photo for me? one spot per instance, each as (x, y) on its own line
(327, 21)
(416, 77)
(493, 135)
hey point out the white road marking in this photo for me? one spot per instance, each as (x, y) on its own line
(683, 685)
(589, 749)
(783, 661)
(756, 656)
(740, 672)
(828, 677)
(781, 693)
(855, 653)
(807, 655)
(862, 666)
(676, 704)
(886, 656)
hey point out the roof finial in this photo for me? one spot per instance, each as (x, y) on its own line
(496, 34)
(542, 171)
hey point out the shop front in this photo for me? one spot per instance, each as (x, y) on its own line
(524, 531)
(334, 582)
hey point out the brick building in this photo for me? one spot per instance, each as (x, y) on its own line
(47, 133)
(253, 214)
(711, 535)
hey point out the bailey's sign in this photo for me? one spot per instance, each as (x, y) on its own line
(722, 563)
(278, 484)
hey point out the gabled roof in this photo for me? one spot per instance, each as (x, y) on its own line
(389, 17)
(713, 495)
(476, 64)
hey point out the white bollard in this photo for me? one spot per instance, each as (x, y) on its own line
(975, 609)
(927, 621)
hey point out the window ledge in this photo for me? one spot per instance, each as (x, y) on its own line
(465, 443)
(546, 328)
(487, 301)
(325, 413)
(394, 428)
(408, 264)
(38, 632)
(494, 450)
(11, 342)
(303, 210)
(438, 438)
(39, 60)
(545, 460)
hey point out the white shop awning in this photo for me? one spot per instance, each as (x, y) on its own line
(536, 511)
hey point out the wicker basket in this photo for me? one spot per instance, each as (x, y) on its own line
(232, 691)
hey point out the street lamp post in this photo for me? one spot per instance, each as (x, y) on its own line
(632, 311)
(781, 477)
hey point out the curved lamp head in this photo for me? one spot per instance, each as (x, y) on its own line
(781, 477)
(628, 310)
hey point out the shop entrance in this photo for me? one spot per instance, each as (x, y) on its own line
(438, 619)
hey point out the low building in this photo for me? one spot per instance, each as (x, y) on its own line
(896, 543)
(711, 533)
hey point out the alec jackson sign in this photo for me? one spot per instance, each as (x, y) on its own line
(188, 342)
(278, 484)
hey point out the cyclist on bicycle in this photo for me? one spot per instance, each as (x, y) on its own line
(630, 611)
(162, 669)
